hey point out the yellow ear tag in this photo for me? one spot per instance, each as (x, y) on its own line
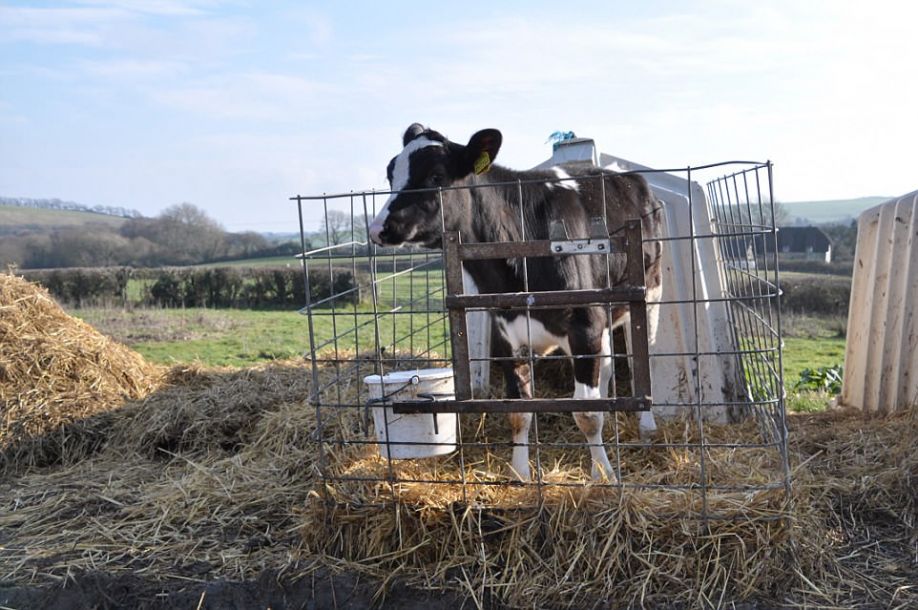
(482, 163)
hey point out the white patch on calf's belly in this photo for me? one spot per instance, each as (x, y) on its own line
(536, 336)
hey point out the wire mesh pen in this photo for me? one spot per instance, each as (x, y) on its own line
(380, 328)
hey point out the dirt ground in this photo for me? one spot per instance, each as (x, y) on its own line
(317, 591)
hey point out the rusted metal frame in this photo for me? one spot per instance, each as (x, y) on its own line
(754, 165)
(640, 351)
(561, 445)
(525, 405)
(457, 303)
(781, 408)
(459, 331)
(744, 283)
(548, 299)
(521, 249)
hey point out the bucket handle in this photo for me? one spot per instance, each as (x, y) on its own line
(426, 396)
(415, 380)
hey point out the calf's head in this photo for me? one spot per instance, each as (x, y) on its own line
(428, 162)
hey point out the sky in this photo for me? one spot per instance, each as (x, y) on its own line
(237, 105)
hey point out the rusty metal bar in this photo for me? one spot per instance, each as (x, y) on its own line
(640, 352)
(634, 293)
(522, 405)
(640, 356)
(553, 299)
(459, 333)
(518, 249)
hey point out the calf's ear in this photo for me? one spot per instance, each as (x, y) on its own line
(482, 150)
(413, 131)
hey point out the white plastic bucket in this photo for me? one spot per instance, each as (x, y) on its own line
(405, 386)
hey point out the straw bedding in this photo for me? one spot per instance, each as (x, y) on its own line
(213, 474)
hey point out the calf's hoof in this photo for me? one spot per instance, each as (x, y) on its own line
(521, 473)
(604, 474)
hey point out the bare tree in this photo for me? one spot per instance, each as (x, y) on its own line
(336, 227)
(245, 244)
(183, 233)
(782, 216)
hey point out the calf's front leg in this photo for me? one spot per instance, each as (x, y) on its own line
(518, 380)
(587, 385)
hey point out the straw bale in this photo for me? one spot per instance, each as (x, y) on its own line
(57, 371)
(578, 544)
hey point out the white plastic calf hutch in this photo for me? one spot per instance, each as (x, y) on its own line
(714, 353)
(881, 357)
(691, 313)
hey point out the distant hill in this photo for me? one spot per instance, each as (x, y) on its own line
(829, 211)
(279, 238)
(73, 206)
(17, 219)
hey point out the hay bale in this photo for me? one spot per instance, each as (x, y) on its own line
(571, 542)
(57, 372)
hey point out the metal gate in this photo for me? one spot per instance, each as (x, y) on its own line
(633, 294)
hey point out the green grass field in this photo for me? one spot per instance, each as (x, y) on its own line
(225, 337)
(238, 337)
(15, 216)
(269, 261)
(230, 337)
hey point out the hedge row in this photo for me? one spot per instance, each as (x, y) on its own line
(284, 287)
(83, 285)
(816, 294)
(198, 287)
(800, 266)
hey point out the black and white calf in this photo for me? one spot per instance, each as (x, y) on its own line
(492, 213)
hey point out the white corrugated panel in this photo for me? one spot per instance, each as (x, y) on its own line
(881, 357)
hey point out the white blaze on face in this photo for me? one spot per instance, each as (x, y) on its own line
(401, 172)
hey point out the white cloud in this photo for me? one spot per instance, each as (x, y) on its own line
(259, 96)
(9, 116)
(154, 7)
(132, 68)
(81, 26)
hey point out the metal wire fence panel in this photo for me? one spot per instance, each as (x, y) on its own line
(715, 356)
